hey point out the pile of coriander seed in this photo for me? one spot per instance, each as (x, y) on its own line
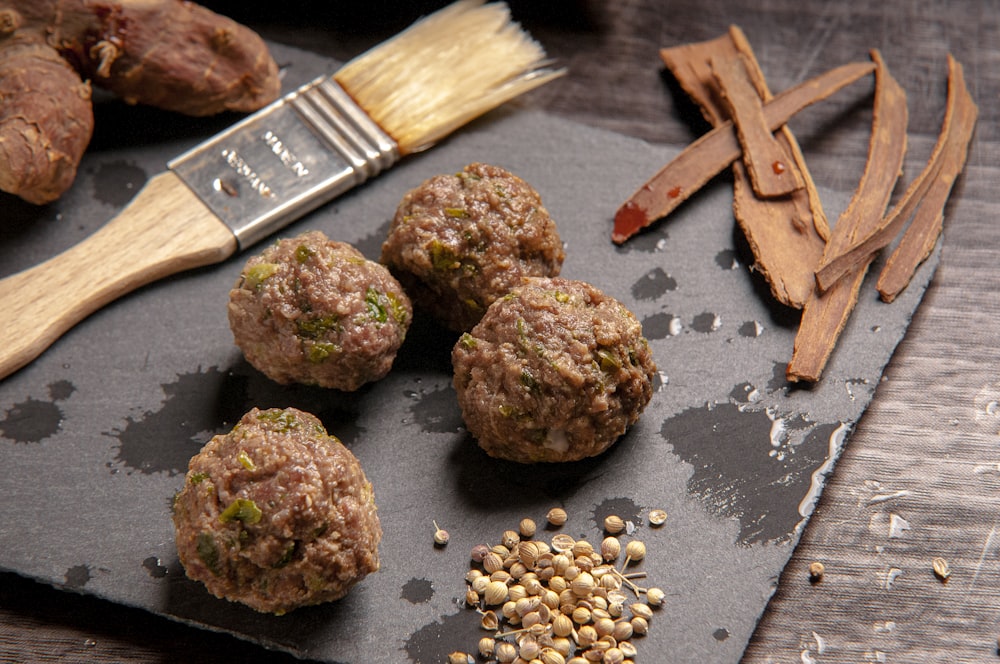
(564, 601)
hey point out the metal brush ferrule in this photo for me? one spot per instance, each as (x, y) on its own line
(286, 159)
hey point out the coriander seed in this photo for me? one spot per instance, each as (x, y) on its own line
(551, 656)
(489, 621)
(622, 631)
(641, 610)
(496, 593)
(640, 625)
(460, 658)
(492, 562)
(441, 536)
(486, 646)
(505, 652)
(557, 516)
(479, 552)
(634, 551)
(941, 568)
(510, 538)
(654, 596)
(816, 570)
(614, 524)
(527, 528)
(562, 625)
(610, 548)
(613, 656)
(657, 517)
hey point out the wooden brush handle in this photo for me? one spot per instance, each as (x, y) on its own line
(165, 229)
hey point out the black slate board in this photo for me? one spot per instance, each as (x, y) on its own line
(96, 434)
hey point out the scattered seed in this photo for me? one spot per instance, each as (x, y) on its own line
(558, 604)
(441, 536)
(460, 658)
(614, 524)
(634, 552)
(479, 552)
(610, 548)
(941, 569)
(557, 516)
(657, 517)
(489, 621)
(816, 570)
(563, 542)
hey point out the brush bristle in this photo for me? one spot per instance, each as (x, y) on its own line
(445, 70)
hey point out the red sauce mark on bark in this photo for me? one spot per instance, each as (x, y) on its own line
(674, 193)
(778, 168)
(629, 219)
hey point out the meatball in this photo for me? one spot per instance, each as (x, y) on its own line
(459, 242)
(277, 514)
(314, 311)
(555, 371)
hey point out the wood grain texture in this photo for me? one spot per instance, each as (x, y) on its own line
(166, 229)
(927, 450)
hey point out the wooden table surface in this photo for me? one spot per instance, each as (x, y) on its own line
(921, 473)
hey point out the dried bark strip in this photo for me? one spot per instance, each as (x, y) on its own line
(772, 171)
(934, 183)
(956, 132)
(707, 156)
(919, 239)
(825, 314)
(786, 235)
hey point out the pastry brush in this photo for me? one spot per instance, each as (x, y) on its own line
(283, 161)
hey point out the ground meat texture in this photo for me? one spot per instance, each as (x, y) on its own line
(314, 311)
(555, 371)
(459, 242)
(277, 514)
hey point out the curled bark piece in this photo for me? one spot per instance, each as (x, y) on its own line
(771, 168)
(921, 236)
(46, 121)
(825, 314)
(925, 196)
(787, 234)
(712, 152)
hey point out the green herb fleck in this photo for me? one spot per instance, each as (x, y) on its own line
(208, 552)
(609, 362)
(246, 461)
(376, 308)
(320, 351)
(241, 509)
(198, 478)
(303, 253)
(528, 380)
(284, 418)
(287, 554)
(256, 274)
(398, 309)
(314, 328)
(442, 257)
(457, 213)
(467, 341)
